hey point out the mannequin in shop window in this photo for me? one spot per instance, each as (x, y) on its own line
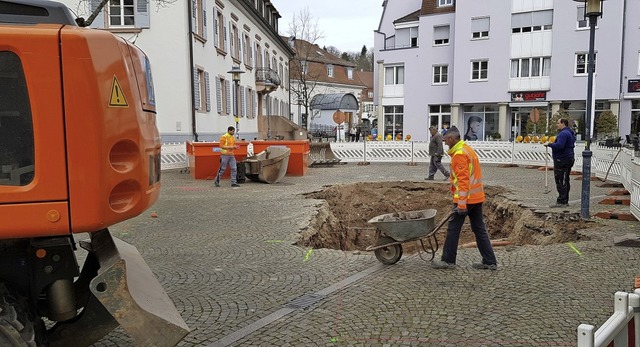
(473, 128)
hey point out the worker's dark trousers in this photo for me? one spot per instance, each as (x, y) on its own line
(450, 249)
(561, 170)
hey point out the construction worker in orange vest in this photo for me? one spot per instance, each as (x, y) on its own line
(468, 196)
(227, 145)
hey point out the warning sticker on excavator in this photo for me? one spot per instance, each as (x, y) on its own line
(117, 98)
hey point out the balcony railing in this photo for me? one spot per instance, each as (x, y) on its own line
(266, 76)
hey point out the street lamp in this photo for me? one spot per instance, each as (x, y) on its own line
(592, 10)
(235, 77)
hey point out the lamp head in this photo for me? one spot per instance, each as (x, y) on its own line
(592, 7)
(235, 73)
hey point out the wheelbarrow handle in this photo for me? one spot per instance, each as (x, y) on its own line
(442, 223)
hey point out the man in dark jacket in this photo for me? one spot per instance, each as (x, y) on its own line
(563, 159)
(436, 151)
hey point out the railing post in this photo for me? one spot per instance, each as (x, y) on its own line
(585, 335)
(412, 163)
(634, 301)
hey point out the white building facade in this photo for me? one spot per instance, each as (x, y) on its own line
(192, 46)
(449, 62)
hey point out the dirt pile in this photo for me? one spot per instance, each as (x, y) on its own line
(344, 210)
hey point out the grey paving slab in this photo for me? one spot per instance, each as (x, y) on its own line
(226, 257)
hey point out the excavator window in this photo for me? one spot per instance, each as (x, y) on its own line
(17, 164)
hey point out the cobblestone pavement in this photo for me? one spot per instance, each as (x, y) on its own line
(226, 258)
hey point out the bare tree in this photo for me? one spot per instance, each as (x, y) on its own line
(83, 5)
(304, 28)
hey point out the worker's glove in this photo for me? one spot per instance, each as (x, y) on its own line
(460, 211)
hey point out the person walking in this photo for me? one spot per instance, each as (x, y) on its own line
(227, 145)
(436, 151)
(352, 133)
(468, 196)
(562, 152)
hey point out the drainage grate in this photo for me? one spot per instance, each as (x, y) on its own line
(304, 301)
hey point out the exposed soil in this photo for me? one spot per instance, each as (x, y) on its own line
(343, 213)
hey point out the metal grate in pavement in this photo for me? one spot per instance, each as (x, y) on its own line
(304, 301)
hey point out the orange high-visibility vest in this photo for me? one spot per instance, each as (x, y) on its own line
(466, 175)
(227, 140)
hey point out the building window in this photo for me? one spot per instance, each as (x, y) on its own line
(370, 94)
(635, 116)
(479, 70)
(479, 27)
(248, 55)
(330, 70)
(393, 75)
(304, 67)
(440, 116)
(406, 37)
(441, 35)
(488, 118)
(223, 96)
(122, 13)
(350, 73)
(442, 3)
(530, 67)
(638, 63)
(393, 117)
(221, 31)
(440, 74)
(235, 42)
(583, 22)
(526, 22)
(582, 63)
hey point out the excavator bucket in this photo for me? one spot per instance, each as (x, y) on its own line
(129, 291)
(320, 154)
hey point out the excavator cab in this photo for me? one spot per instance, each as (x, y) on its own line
(79, 152)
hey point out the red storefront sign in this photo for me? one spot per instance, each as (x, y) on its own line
(528, 96)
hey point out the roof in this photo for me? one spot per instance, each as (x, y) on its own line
(312, 52)
(339, 101)
(366, 77)
(411, 17)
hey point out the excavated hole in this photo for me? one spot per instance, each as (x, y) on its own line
(341, 221)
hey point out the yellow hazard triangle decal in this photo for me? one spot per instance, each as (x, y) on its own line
(117, 96)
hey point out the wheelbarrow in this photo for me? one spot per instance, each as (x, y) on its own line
(394, 229)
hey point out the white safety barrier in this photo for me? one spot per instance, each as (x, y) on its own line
(622, 329)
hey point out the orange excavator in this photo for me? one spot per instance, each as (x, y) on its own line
(79, 152)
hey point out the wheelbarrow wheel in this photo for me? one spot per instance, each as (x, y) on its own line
(388, 255)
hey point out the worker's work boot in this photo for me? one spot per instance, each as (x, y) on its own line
(430, 178)
(439, 264)
(216, 183)
(482, 266)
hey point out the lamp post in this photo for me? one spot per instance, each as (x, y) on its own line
(592, 9)
(235, 77)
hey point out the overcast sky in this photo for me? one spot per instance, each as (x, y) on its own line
(346, 24)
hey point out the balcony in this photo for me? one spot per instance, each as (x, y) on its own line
(267, 80)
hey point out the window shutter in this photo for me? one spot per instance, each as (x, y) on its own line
(232, 41)
(228, 97)
(218, 95)
(479, 24)
(255, 104)
(142, 14)
(207, 91)
(224, 32)
(204, 19)
(98, 23)
(241, 48)
(194, 16)
(196, 89)
(441, 32)
(243, 110)
(216, 33)
(542, 17)
(250, 62)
